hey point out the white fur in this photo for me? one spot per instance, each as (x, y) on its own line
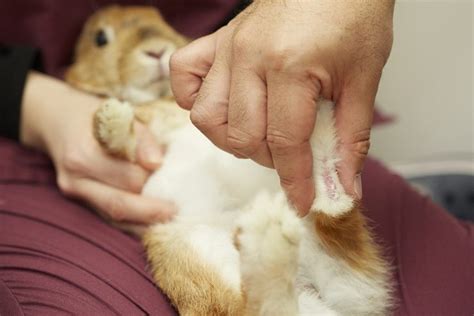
(202, 179)
(137, 94)
(330, 196)
(211, 243)
(281, 258)
(116, 125)
(310, 304)
(270, 237)
(343, 289)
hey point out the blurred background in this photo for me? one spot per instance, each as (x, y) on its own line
(427, 88)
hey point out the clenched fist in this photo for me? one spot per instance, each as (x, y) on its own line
(252, 86)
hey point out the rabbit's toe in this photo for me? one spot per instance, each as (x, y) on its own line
(113, 128)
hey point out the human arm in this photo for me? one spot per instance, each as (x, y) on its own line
(251, 86)
(57, 120)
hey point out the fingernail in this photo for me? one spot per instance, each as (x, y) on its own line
(358, 186)
(153, 155)
(168, 208)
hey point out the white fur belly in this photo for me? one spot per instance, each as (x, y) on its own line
(202, 179)
(214, 245)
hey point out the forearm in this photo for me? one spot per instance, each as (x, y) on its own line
(346, 11)
(46, 107)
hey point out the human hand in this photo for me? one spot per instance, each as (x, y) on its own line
(57, 119)
(252, 86)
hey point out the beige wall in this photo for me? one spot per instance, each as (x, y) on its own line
(428, 84)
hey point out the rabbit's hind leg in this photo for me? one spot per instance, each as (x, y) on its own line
(341, 257)
(268, 237)
(197, 267)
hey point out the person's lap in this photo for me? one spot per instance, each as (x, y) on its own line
(431, 251)
(58, 257)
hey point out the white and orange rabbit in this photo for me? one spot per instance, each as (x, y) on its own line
(237, 247)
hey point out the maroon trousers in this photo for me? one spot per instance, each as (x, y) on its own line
(58, 257)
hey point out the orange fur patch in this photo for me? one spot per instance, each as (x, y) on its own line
(347, 237)
(192, 286)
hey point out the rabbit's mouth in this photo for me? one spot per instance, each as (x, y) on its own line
(154, 54)
(160, 75)
(161, 58)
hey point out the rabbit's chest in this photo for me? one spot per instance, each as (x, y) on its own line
(202, 179)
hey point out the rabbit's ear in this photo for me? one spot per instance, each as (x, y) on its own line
(80, 77)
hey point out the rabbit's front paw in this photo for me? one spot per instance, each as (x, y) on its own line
(113, 128)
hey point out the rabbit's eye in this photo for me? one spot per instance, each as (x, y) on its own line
(101, 38)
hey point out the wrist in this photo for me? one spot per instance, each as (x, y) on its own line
(31, 109)
(49, 108)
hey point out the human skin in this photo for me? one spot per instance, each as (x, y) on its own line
(57, 120)
(251, 86)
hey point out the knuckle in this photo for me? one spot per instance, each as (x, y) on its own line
(65, 184)
(183, 100)
(287, 182)
(200, 119)
(278, 140)
(177, 60)
(135, 183)
(243, 142)
(361, 148)
(279, 58)
(72, 160)
(359, 144)
(205, 119)
(240, 43)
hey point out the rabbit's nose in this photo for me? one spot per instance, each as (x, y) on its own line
(155, 54)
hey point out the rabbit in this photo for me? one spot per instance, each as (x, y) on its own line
(237, 246)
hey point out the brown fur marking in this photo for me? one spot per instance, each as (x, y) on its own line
(194, 288)
(348, 237)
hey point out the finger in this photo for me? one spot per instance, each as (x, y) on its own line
(209, 112)
(354, 114)
(121, 205)
(188, 66)
(148, 153)
(247, 115)
(112, 171)
(291, 117)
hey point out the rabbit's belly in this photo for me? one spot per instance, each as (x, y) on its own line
(215, 247)
(202, 179)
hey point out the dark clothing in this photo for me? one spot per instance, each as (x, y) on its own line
(15, 62)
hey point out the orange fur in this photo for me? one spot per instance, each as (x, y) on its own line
(193, 288)
(348, 237)
(108, 69)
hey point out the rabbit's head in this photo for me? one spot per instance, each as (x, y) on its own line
(124, 52)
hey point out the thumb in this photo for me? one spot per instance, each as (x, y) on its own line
(354, 114)
(148, 153)
(188, 66)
